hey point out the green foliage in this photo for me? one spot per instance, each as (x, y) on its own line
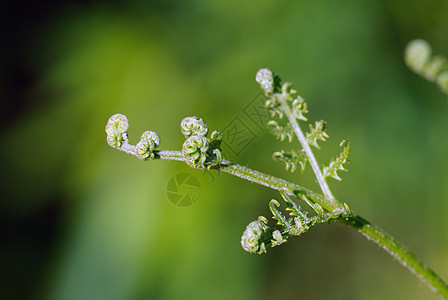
(292, 160)
(198, 150)
(252, 239)
(279, 131)
(317, 133)
(277, 215)
(193, 126)
(201, 152)
(116, 130)
(285, 102)
(299, 109)
(117, 137)
(337, 163)
(195, 151)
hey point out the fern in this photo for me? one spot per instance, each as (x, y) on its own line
(277, 215)
(337, 163)
(418, 57)
(317, 133)
(291, 159)
(202, 152)
(299, 109)
(279, 131)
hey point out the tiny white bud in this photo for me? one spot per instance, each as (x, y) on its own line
(151, 135)
(114, 138)
(117, 122)
(417, 55)
(251, 238)
(194, 150)
(193, 126)
(144, 148)
(265, 78)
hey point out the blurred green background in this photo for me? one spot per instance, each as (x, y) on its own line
(80, 220)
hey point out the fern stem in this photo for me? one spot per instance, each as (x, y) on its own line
(311, 158)
(368, 230)
(405, 257)
(258, 177)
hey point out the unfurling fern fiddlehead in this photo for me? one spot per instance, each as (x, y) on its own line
(202, 152)
(418, 56)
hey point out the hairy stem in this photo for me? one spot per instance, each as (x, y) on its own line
(259, 178)
(368, 230)
(405, 257)
(311, 158)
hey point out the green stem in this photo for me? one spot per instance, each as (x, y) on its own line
(405, 257)
(368, 230)
(309, 153)
(258, 177)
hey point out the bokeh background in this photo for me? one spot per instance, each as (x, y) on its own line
(80, 220)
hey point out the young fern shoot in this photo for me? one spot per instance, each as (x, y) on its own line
(202, 152)
(418, 57)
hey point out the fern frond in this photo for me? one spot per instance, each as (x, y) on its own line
(293, 208)
(291, 159)
(274, 108)
(418, 56)
(299, 108)
(279, 131)
(317, 133)
(338, 163)
(277, 215)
